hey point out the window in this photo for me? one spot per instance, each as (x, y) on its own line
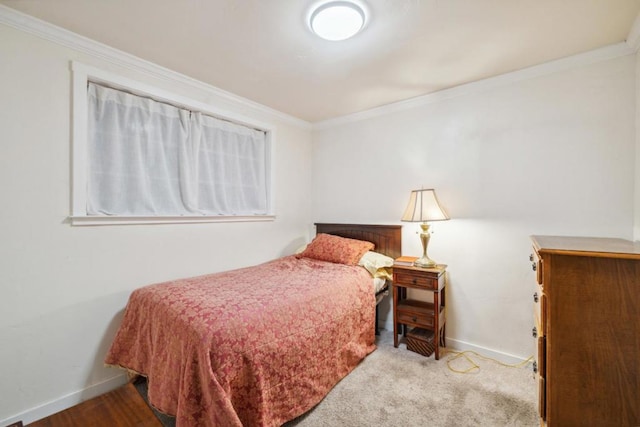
(146, 159)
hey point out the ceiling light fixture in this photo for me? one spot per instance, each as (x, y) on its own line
(337, 20)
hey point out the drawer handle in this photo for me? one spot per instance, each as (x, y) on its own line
(535, 367)
(535, 297)
(414, 281)
(415, 319)
(534, 332)
(534, 266)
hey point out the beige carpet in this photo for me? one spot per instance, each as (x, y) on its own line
(396, 387)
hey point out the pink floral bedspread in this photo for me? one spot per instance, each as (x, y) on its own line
(256, 347)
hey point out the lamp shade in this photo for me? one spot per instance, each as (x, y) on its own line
(423, 206)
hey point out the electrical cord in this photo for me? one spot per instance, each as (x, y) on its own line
(474, 365)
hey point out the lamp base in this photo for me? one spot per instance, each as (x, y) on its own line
(425, 262)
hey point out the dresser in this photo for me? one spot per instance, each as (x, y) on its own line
(587, 326)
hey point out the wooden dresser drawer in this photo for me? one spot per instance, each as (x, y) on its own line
(536, 265)
(416, 280)
(414, 319)
(416, 313)
(537, 309)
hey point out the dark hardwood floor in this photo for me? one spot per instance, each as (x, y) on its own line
(123, 407)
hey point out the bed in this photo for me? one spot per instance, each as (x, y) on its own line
(256, 346)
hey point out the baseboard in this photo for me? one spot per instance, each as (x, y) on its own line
(510, 359)
(458, 345)
(66, 402)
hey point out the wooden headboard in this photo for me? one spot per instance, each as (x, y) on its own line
(387, 238)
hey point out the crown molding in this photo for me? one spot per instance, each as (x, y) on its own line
(633, 38)
(551, 67)
(58, 35)
(69, 39)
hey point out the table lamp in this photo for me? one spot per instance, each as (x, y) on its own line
(423, 206)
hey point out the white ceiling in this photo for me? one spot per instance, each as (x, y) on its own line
(263, 50)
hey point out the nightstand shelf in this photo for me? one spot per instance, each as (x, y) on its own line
(415, 313)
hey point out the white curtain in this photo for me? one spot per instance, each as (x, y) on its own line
(148, 158)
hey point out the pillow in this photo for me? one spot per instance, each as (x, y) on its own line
(377, 265)
(378, 284)
(326, 247)
(301, 249)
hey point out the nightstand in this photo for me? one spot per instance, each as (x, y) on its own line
(419, 314)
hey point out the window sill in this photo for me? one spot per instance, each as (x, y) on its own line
(134, 220)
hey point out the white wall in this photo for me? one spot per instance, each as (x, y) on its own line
(553, 154)
(63, 287)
